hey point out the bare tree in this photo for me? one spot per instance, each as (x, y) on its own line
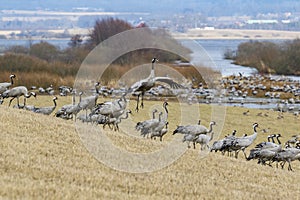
(106, 28)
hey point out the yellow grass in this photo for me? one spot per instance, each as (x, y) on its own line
(43, 156)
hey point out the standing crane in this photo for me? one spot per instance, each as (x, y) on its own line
(146, 84)
(5, 85)
(15, 92)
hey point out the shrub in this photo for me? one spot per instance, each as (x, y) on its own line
(269, 57)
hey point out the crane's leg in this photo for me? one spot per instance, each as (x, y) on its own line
(24, 102)
(142, 104)
(137, 103)
(11, 101)
(244, 153)
(282, 164)
(189, 145)
(290, 167)
(18, 102)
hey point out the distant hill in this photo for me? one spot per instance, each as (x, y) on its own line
(207, 7)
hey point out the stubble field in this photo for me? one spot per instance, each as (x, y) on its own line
(44, 157)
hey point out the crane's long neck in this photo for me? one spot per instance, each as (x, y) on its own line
(211, 136)
(166, 125)
(119, 102)
(269, 137)
(12, 80)
(126, 115)
(273, 139)
(73, 98)
(254, 135)
(210, 127)
(152, 74)
(167, 112)
(159, 117)
(80, 97)
(54, 101)
(153, 114)
(279, 142)
(27, 95)
(124, 99)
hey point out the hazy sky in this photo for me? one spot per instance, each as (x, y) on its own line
(208, 7)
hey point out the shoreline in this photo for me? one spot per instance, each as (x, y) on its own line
(199, 34)
(237, 34)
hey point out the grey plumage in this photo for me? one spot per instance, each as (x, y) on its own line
(46, 110)
(161, 133)
(115, 121)
(204, 140)
(224, 144)
(193, 131)
(70, 111)
(73, 109)
(149, 127)
(139, 126)
(88, 103)
(24, 106)
(144, 85)
(241, 143)
(15, 92)
(162, 128)
(287, 155)
(237, 144)
(111, 108)
(5, 85)
(189, 138)
(265, 151)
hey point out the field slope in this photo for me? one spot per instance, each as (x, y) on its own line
(43, 157)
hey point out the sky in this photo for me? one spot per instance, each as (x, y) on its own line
(159, 6)
(208, 7)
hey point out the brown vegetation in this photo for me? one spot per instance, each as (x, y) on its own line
(269, 57)
(35, 71)
(43, 64)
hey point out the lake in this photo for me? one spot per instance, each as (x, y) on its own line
(216, 49)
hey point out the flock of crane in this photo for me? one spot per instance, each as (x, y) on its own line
(111, 113)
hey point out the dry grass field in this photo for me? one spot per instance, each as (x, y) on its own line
(44, 157)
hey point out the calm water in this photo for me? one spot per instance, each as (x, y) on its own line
(216, 49)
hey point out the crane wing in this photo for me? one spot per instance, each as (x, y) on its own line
(169, 81)
(142, 85)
